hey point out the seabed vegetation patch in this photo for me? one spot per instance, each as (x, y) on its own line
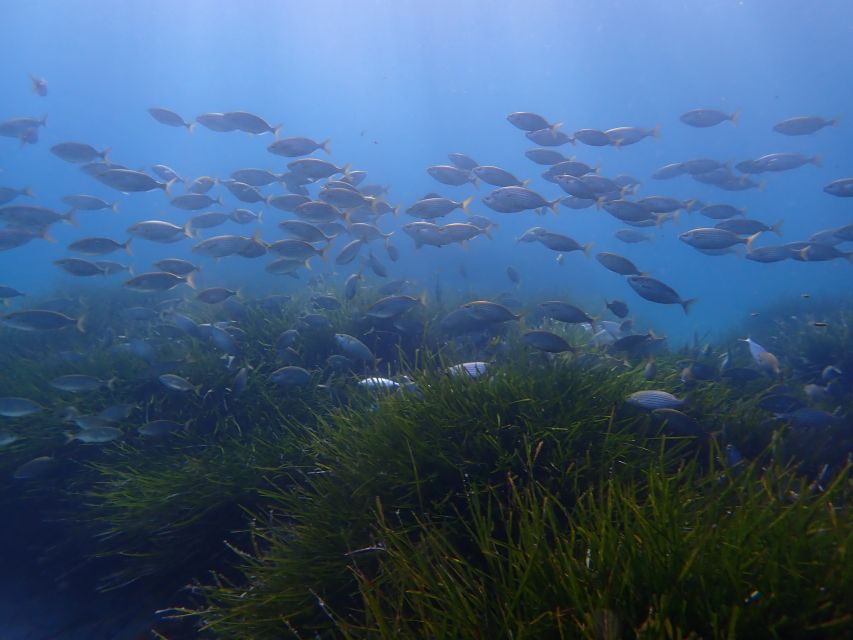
(527, 501)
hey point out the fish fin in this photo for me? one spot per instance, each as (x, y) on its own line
(114, 207)
(168, 186)
(396, 211)
(464, 205)
(112, 382)
(487, 232)
(43, 121)
(553, 205)
(735, 117)
(345, 169)
(69, 437)
(69, 218)
(46, 235)
(324, 253)
(656, 131)
(190, 280)
(586, 248)
(308, 264)
(219, 201)
(105, 153)
(555, 126)
(190, 126)
(126, 246)
(685, 304)
(275, 131)
(27, 191)
(748, 242)
(475, 181)
(325, 146)
(423, 297)
(777, 228)
(524, 183)
(81, 323)
(817, 160)
(130, 271)
(189, 232)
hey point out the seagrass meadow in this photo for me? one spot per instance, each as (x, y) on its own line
(529, 501)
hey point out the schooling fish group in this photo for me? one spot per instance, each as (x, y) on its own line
(315, 204)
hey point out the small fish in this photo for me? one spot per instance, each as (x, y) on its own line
(18, 407)
(291, 376)
(656, 291)
(354, 348)
(468, 369)
(177, 383)
(618, 264)
(78, 152)
(527, 121)
(34, 468)
(249, 123)
(214, 295)
(842, 188)
(129, 181)
(654, 399)
(159, 281)
(762, 357)
(42, 320)
(617, 308)
(77, 383)
(78, 267)
(707, 117)
(39, 85)
(160, 428)
(96, 246)
(803, 125)
(96, 435)
(546, 341)
(169, 118)
(451, 175)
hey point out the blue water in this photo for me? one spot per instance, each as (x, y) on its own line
(398, 85)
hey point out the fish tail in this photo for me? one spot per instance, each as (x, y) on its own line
(777, 228)
(475, 181)
(656, 131)
(735, 117)
(27, 191)
(835, 121)
(524, 183)
(45, 235)
(126, 247)
(586, 248)
(69, 218)
(817, 160)
(168, 187)
(686, 304)
(555, 126)
(553, 205)
(114, 207)
(43, 120)
(325, 146)
(189, 232)
(308, 263)
(275, 130)
(190, 280)
(103, 154)
(324, 252)
(748, 241)
(190, 126)
(81, 323)
(464, 205)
